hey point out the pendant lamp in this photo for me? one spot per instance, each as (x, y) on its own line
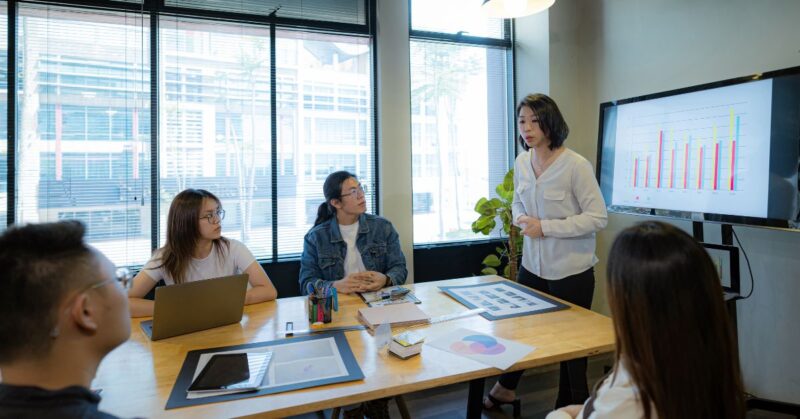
(507, 9)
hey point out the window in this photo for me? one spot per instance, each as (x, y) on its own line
(81, 151)
(328, 133)
(83, 115)
(217, 118)
(461, 130)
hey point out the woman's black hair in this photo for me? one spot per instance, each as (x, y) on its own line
(332, 188)
(550, 120)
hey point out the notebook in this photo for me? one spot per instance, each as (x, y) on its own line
(406, 314)
(196, 305)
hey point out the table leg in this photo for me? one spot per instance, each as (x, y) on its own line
(475, 399)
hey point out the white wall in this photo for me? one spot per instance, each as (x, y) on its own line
(394, 126)
(602, 50)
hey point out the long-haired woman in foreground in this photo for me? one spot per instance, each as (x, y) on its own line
(676, 353)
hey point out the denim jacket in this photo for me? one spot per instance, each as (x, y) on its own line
(324, 251)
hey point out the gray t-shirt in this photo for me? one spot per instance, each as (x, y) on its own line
(233, 261)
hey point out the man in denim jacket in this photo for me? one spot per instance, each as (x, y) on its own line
(347, 248)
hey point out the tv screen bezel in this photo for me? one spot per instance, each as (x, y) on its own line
(689, 215)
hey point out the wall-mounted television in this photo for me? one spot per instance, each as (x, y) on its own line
(726, 152)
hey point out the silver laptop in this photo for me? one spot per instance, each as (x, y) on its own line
(197, 305)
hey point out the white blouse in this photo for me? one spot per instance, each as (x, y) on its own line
(617, 398)
(567, 200)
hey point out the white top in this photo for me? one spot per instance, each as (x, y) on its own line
(352, 260)
(616, 398)
(233, 262)
(568, 202)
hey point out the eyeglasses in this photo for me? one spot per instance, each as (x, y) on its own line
(215, 217)
(361, 190)
(121, 275)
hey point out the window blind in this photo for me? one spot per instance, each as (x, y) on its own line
(337, 11)
(83, 125)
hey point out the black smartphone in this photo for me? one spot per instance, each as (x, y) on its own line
(237, 372)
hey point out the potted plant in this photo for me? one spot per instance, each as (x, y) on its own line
(490, 210)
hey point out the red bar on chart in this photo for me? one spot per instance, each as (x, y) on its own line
(733, 162)
(672, 169)
(658, 166)
(700, 169)
(716, 165)
(685, 164)
(635, 170)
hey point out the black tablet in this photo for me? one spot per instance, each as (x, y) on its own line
(232, 372)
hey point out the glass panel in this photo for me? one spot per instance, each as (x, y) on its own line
(460, 138)
(215, 123)
(324, 124)
(461, 16)
(83, 145)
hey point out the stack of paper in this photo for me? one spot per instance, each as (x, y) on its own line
(406, 314)
(406, 344)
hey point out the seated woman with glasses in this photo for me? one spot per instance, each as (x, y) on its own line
(196, 250)
(347, 248)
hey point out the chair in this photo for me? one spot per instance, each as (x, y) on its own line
(401, 405)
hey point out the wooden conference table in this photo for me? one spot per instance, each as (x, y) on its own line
(137, 377)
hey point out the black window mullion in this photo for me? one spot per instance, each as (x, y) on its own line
(375, 132)
(11, 137)
(154, 157)
(273, 100)
(459, 39)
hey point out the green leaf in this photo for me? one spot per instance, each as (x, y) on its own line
(506, 195)
(489, 271)
(480, 205)
(508, 181)
(484, 221)
(499, 250)
(496, 203)
(507, 271)
(491, 260)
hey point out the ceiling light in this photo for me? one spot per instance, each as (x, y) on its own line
(507, 9)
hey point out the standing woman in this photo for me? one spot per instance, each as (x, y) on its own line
(676, 351)
(196, 250)
(558, 206)
(347, 248)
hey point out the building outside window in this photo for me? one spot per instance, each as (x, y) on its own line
(461, 131)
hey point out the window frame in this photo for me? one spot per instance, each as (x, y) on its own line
(154, 10)
(507, 43)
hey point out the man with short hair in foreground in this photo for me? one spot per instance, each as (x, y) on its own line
(63, 307)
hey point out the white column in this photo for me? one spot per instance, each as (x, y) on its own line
(394, 122)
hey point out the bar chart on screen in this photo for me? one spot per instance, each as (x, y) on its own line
(709, 149)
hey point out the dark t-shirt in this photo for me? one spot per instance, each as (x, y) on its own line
(35, 402)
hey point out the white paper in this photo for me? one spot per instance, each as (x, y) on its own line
(501, 299)
(486, 349)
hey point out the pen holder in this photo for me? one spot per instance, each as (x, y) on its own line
(320, 309)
